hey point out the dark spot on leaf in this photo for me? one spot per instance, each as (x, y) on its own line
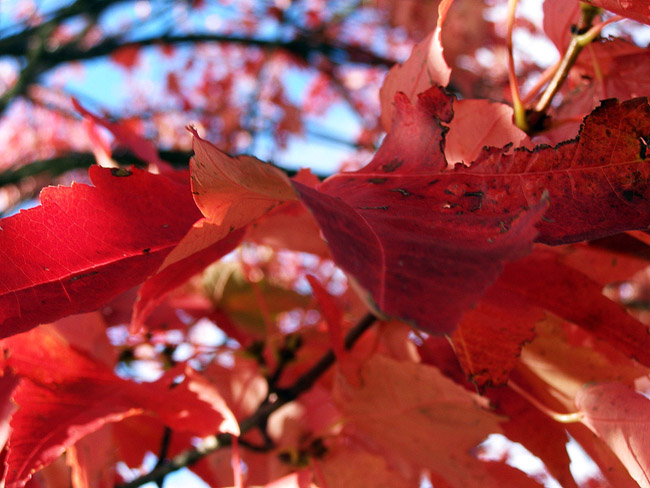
(146, 251)
(377, 181)
(120, 172)
(195, 193)
(402, 191)
(473, 194)
(629, 195)
(85, 275)
(231, 229)
(383, 207)
(449, 192)
(503, 227)
(433, 182)
(392, 166)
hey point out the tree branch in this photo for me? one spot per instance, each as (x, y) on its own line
(59, 165)
(216, 442)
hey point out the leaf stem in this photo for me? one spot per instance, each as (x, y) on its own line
(578, 42)
(213, 443)
(563, 418)
(518, 106)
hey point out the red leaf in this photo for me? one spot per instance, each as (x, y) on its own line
(59, 406)
(632, 9)
(127, 56)
(411, 411)
(84, 245)
(332, 314)
(543, 281)
(426, 66)
(559, 16)
(125, 135)
(489, 336)
(621, 417)
(231, 193)
(537, 432)
(489, 123)
(426, 241)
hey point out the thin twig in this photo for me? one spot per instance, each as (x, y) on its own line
(216, 442)
(578, 42)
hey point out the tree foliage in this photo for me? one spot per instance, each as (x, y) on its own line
(476, 271)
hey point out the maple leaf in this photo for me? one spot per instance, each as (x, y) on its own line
(231, 193)
(621, 417)
(411, 410)
(426, 242)
(125, 135)
(543, 281)
(79, 397)
(536, 431)
(86, 244)
(489, 336)
(632, 9)
(425, 67)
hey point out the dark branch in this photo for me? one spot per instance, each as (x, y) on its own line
(77, 160)
(214, 443)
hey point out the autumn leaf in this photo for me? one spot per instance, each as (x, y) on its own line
(405, 227)
(543, 281)
(86, 244)
(79, 397)
(620, 417)
(632, 9)
(411, 410)
(231, 193)
(489, 336)
(125, 135)
(425, 67)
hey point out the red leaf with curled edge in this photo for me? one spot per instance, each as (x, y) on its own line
(425, 66)
(59, 406)
(426, 242)
(86, 244)
(231, 193)
(638, 10)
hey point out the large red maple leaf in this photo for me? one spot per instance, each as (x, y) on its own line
(426, 241)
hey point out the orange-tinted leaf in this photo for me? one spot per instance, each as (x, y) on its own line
(621, 417)
(86, 244)
(231, 193)
(235, 191)
(490, 125)
(413, 412)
